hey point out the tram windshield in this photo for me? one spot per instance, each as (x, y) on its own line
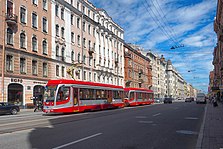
(50, 93)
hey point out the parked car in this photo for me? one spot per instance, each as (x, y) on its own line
(6, 108)
(158, 100)
(168, 100)
(188, 99)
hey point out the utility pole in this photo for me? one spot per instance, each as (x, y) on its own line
(3, 49)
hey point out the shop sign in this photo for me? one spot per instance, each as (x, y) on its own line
(16, 80)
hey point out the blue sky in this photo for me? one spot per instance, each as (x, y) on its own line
(160, 24)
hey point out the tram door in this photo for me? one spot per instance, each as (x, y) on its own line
(75, 97)
(109, 96)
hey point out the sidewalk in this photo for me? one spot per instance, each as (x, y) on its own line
(211, 134)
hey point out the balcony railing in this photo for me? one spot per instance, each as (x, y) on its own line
(11, 18)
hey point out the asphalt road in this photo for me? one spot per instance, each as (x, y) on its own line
(169, 126)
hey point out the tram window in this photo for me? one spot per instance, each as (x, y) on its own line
(139, 95)
(132, 95)
(84, 94)
(63, 93)
(98, 94)
(117, 94)
(126, 94)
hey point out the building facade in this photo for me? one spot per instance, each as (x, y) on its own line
(25, 49)
(88, 43)
(137, 68)
(218, 53)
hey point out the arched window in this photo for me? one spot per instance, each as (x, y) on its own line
(9, 36)
(22, 40)
(34, 43)
(44, 44)
(57, 50)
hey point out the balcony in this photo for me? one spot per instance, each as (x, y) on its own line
(11, 19)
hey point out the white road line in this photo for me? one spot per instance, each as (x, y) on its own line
(157, 114)
(141, 117)
(77, 141)
(146, 122)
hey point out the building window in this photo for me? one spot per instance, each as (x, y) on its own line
(57, 30)
(72, 37)
(72, 19)
(57, 50)
(84, 26)
(22, 15)
(44, 25)
(57, 10)
(84, 42)
(62, 13)
(45, 69)
(63, 54)
(89, 13)
(89, 29)
(22, 65)
(34, 43)
(34, 67)
(84, 59)
(22, 40)
(78, 39)
(57, 70)
(78, 5)
(34, 20)
(94, 77)
(9, 63)
(89, 44)
(62, 71)
(62, 32)
(9, 36)
(83, 9)
(45, 4)
(78, 58)
(85, 77)
(35, 2)
(89, 76)
(44, 44)
(72, 56)
(94, 32)
(78, 22)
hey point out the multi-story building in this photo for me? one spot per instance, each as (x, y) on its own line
(218, 53)
(25, 49)
(158, 64)
(87, 43)
(138, 71)
(175, 82)
(211, 82)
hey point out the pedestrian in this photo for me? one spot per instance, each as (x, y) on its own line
(215, 104)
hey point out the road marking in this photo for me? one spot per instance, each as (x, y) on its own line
(191, 118)
(141, 117)
(187, 132)
(77, 141)
(146, 122)
(157, 114)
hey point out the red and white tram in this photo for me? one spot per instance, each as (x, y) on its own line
(138, 96)
(63, 96)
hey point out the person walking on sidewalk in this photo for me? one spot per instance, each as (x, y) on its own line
(215, 104)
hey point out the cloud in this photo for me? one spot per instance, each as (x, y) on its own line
(165, 23)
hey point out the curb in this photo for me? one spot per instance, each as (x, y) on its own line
(201, 133)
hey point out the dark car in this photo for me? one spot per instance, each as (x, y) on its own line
(168, 100)
(6, 108)
(188, 99)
